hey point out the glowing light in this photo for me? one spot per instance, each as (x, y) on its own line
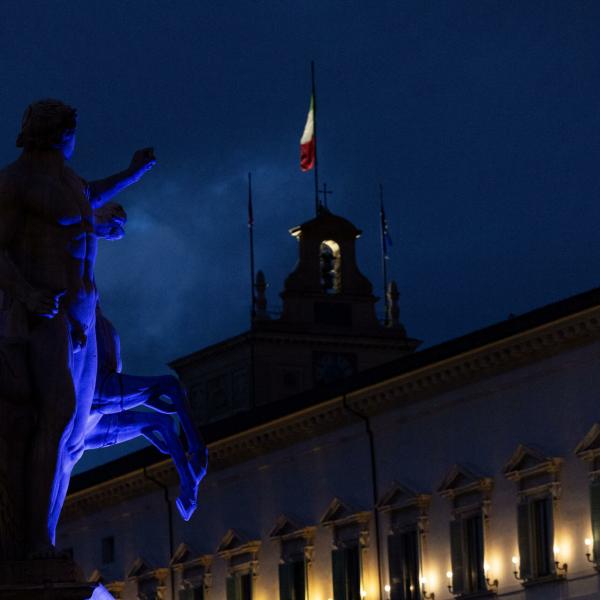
(556, 549)
(388, 588)
(411, 587)
(587, 542)
(423, 580)
(363, 594)
(449, 574)
(515, 561)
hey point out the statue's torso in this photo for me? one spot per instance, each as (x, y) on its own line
(55, 246)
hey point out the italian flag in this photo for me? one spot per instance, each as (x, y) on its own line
(307, 141)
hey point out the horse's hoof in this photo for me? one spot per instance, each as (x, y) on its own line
(186, 507)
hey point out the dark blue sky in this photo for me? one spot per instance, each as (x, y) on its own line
(481, 119)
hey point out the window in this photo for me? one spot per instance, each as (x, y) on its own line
(589, 451)
(330, 266)
(296, 550)
(470, 494)
(108, 550)
(292, 580)
(346, 573)
(538, 483)
(217, 392)
(239, 586)
(194, 572)
(466, 552)
(534, 524)
(403, 558)
(239, 388)
(241, 555)
(350, 529)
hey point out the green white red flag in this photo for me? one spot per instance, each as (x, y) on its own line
(307, 142)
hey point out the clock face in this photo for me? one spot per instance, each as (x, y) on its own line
(330, 366)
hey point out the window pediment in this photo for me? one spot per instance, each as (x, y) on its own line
(401, 497)
(185, 557)
(140, 568)
(235, 544)
(460, 480)
(528, 462)
(286, 528)
(340, 513)
(589, 447)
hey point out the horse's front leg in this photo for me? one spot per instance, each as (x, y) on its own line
(170, 387)
(158, 430)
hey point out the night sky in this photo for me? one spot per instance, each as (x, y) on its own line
(481, 119)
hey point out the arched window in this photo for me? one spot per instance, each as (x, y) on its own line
(331, 263)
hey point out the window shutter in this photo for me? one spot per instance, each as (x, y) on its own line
(456, 557)
(478, 552)
(549, 513)
(353, 573)
(595, 510)
(524, 540)
(231, 591)
(298, 575)
(395, 566)
(410, 564)
(338, 563)
(245, 587)
(285, 588)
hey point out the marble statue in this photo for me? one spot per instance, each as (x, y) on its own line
(61, 386)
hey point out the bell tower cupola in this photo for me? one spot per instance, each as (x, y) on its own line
(326, 288)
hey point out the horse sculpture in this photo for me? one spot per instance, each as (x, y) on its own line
(113, 420)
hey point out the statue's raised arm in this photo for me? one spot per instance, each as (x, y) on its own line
(103, 190)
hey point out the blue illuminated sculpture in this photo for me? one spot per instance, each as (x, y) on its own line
(61, 386)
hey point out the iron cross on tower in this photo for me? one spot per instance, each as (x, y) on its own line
(325, 191)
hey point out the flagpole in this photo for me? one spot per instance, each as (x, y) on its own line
(382, 226)
(253, 296)
(314, 98)
(251, 240)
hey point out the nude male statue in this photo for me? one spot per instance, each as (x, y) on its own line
(47, 254)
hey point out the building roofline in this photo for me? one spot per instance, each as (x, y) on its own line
(377, 376)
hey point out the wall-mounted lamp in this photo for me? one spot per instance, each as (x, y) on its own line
(493, 584)
(388, 589)
(426, 596)
(560, 569)
(363, 594)
(588, 545)
(449, 577)
(515, 562)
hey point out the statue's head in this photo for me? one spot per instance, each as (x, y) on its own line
(48, 124)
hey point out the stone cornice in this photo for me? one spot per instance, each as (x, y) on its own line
(415, 386)
(384, 340)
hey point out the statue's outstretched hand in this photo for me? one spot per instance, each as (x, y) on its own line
(142, 161)
(43, 302)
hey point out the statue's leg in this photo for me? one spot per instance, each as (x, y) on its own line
(85, 364)
(54, 393)
(170, 386)
(157, 429)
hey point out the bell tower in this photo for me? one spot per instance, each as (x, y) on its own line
(326, 331)
(326, 290)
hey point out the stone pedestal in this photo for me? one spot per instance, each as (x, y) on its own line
(43, 579)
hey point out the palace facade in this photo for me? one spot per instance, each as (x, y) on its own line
(345, 464)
